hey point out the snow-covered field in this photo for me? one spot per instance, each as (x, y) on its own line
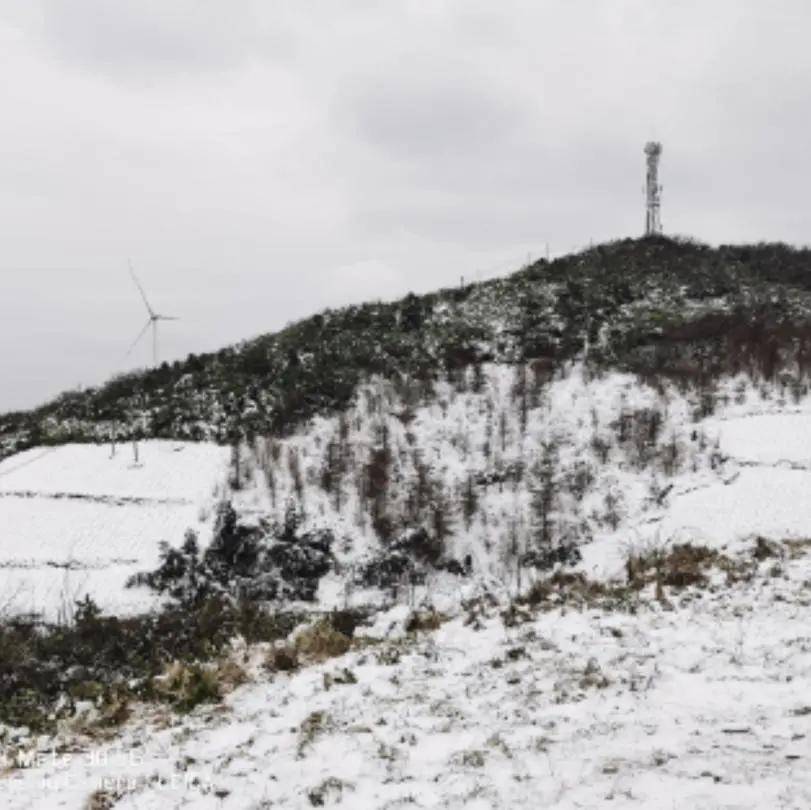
(703, 704)
(762, 488)
(77, 521)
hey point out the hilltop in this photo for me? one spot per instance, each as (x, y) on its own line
(655, 306)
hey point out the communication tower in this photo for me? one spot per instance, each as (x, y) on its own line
(653, 191)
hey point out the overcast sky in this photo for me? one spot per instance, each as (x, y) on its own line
(259, 161)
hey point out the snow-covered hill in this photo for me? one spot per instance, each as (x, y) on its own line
(591, 477)
(469, 484)
(669, 308)
(628, 465)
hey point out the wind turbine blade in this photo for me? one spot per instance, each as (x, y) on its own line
(140, 289)
(166, 318)
(140, 335)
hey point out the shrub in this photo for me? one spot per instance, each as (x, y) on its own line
(282, 658)
(188, 685)
(424, 621)
(320, 641)
(681, 566)
(247, 563)
(112, 661)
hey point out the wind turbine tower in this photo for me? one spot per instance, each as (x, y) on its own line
(653, 191)
(152, 322)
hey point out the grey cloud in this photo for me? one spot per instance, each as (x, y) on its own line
(430, 116)
(147, 38)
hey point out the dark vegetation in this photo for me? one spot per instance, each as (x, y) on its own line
(46, 669)
(257, 564)
(175, 655)
(179, 656)
(685, 565)
(658, 306)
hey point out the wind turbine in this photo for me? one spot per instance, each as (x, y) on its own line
(152, 322)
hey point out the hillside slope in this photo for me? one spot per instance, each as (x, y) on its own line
(654, 305)
(490, 484)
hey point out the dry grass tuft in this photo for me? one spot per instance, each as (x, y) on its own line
(282, 658)
(424, 621)
(797, 548)
(310, 729)
(188, 685)
(329, 791)
(341, 677)
(320, 641)
(573, 589)
(765, 549)
(101, 800)
(681, 566)
(678, 567)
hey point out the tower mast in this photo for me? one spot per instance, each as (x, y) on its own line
(653, 191)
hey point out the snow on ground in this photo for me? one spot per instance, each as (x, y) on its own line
(165, 471)
(768, 438)
(761, 489)
(77, 521)
(773, 503)
(758, 487)
(702, 705)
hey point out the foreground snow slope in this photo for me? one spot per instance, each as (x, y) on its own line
(77, 521)
(701, 704)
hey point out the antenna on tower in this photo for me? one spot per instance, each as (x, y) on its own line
(152, 321)
(653, 191)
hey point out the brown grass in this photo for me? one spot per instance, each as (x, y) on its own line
(797, 548)
(679, 567)
(187, 685)
(424, 621)
(282, 658)
(575, 589)
(101, 800)
(682, 566)
(320, 641)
